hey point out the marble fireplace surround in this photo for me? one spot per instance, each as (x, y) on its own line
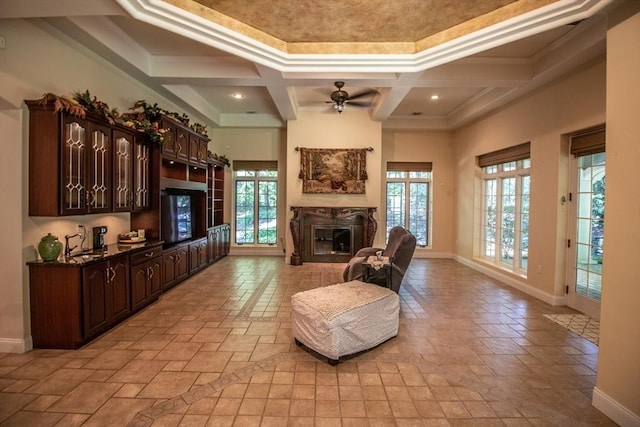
(359, 220)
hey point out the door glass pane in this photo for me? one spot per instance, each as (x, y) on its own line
(590, 225)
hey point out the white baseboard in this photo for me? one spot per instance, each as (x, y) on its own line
(513, 282)
(614, 410)
(12, 345)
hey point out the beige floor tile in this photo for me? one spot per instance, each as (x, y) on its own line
(166, 385)
(87, 398)
(277, 407)
(470, 351)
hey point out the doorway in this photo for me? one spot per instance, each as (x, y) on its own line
(586, 228)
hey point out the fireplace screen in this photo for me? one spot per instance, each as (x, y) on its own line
(332, 240)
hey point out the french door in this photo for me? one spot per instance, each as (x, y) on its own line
(586, 233)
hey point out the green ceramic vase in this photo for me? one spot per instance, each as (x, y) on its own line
(49, 248)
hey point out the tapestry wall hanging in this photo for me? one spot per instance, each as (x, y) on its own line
(333, 170)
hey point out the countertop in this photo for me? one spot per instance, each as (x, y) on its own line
(80, 258)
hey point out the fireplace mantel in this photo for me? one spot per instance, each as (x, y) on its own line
(305, 217)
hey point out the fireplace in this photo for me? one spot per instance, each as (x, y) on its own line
(322, 234)
(328, 239)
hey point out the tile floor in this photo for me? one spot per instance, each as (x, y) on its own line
(217, 351)
(583, 325)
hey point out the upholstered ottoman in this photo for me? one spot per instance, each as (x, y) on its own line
(344, 319)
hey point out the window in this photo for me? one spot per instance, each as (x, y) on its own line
(505, 208)
(256, 202)
(408, 196)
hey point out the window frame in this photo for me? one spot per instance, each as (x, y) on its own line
(256, 176)
(519, 171)
(407, 180)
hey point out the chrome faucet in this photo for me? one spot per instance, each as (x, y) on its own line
(67, 249)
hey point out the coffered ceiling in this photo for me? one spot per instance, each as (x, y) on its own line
(283, 56)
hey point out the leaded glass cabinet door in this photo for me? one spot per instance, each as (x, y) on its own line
(99, 177)
(122, 171)
(73, 192)
(141, 165)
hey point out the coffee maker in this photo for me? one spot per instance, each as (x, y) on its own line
(98, 237)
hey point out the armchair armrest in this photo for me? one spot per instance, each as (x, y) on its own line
(365, 252)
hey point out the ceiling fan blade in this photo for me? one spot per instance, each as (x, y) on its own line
(359, 103)
(367, 92)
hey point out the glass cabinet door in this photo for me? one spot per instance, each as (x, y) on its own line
(122, 180)
(73, 189)
(99, 177)
(141, 166)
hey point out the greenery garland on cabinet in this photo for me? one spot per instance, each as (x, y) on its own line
(143, 116)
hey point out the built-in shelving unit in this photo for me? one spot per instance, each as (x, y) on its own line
(84, 165)
(215, 195)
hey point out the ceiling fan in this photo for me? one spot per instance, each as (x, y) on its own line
(340, 97)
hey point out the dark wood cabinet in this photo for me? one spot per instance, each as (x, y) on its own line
(175, 265)
(218, 240)
(69, 163)
(55, 298)
(84, 165)
(146, 277)
(71, 304)
(73, 301)
(197, 255)
(198, 147)
(176, 140)
(105, 295)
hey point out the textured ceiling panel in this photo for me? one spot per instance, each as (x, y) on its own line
(357, 26)
(353, 21)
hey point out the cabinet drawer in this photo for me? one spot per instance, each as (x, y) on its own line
(145, 255)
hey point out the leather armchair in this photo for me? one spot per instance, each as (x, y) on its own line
(400, 248)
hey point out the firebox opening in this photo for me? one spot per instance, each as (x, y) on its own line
(332, 240)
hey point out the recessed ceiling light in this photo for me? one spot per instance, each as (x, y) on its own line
(237, 95)
(435, 97)
(416, 113)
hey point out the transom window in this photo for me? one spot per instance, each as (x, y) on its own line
(256, 203)
(505, 208)
(408, 199)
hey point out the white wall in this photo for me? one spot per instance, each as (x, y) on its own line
(617, 391)
(36, 60)
(568, 105)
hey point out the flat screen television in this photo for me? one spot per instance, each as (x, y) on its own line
(177, 217)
